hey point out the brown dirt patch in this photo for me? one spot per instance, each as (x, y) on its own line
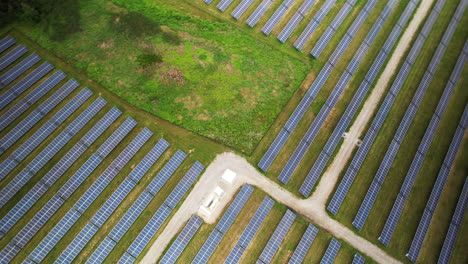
(172, 75)
(107, 45)
(190, 102)
(205, 116)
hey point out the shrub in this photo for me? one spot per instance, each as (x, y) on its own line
(171, 38)
(145, 60)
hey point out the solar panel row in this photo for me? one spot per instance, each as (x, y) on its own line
(12, 56)
(331, 252)
(402, 129)
(371, 134)
(161, 178)
(208, 247)
(313, 90)
(313, 24)
(6, 42)
(29, 121)
(48, 152)
(320, 119)
(182, 240)
(241, 8)
(278, 236)
(18, 69)
(42, 133)
(259, 12)
(16, 110)
(52, 175)
(224, 4)
(234, 209)
(254, 224)
(276, 17)
(148, 161)
(304, 244)
(358, 259)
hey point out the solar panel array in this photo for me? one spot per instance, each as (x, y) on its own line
(40, 135)
(294, 21)
(182, 240)
(333, 27)
(259, 12)
(425, 221)
(313, 90)
(13, 216)
(276, 17)
(313, 24)
(18, 69)
(403, 128)
(358, 259)
(332, 251)
(319, 165)
(320, 119)
(85, 201)
(223, 225)
(241, 8)
(50, 150)
(375, 126)
(160, 216)
(455, 224)
(6, 42)
(35, 116)
(12, 56)
(278, 236)
(304, 245)
(224, 4)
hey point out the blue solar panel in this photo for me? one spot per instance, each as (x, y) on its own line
(273, 150)
(234, 209)
(145, 164)
(24, 84)
(78, 243)
(331, 252)
(208, 247)
(6, 42)
(8, 253)
(182, 240)
(257, 220)
(298, 113)
(358, 259)
(149, 230)
(12, 56)
(461, 205)
(275, 18)
(304, 245)
(185, 183)
(130, 216)
(418, 239)
(18, 69)
(278, 236)
(13, 113)
(127, 258)
(235, 255)
(28, 122)
(392, 220)
(293, 161)
(102, 251)
(259, 12)
(166, 172)
(116, 137)
(289, 28)
(223, 5)
(241, 8)
(366, 205)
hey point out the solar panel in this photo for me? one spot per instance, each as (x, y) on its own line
(166, 172)
(130, 216)
(13, 113)
(6, 42)
(234, 209)
(28, 122)
(241, 8)
(418, 239)
(132, 148)
(148, 161)
(185, 183)
(18, 69)
(392, 220)
(235, 255)
(127, 258)
(293, 161)
(78, 243)
(275, 18)
(366, 205)
(102, 251)
(208, 247)
(273, 150)
(259, 12)
(12, 56)
(53, 237)
(298, 113)
(116, 137)
(278, 236)
(257, 220)
(8, 253)
(290, 27)
(149, 230)
(224, 4)
(304, 245)
(331, 252)
(182, 240)
(358, 259)
(24, 84)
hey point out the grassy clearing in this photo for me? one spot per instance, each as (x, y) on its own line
(213, 79)
(404, 232)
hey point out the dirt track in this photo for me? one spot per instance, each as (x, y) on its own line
(314, 207)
